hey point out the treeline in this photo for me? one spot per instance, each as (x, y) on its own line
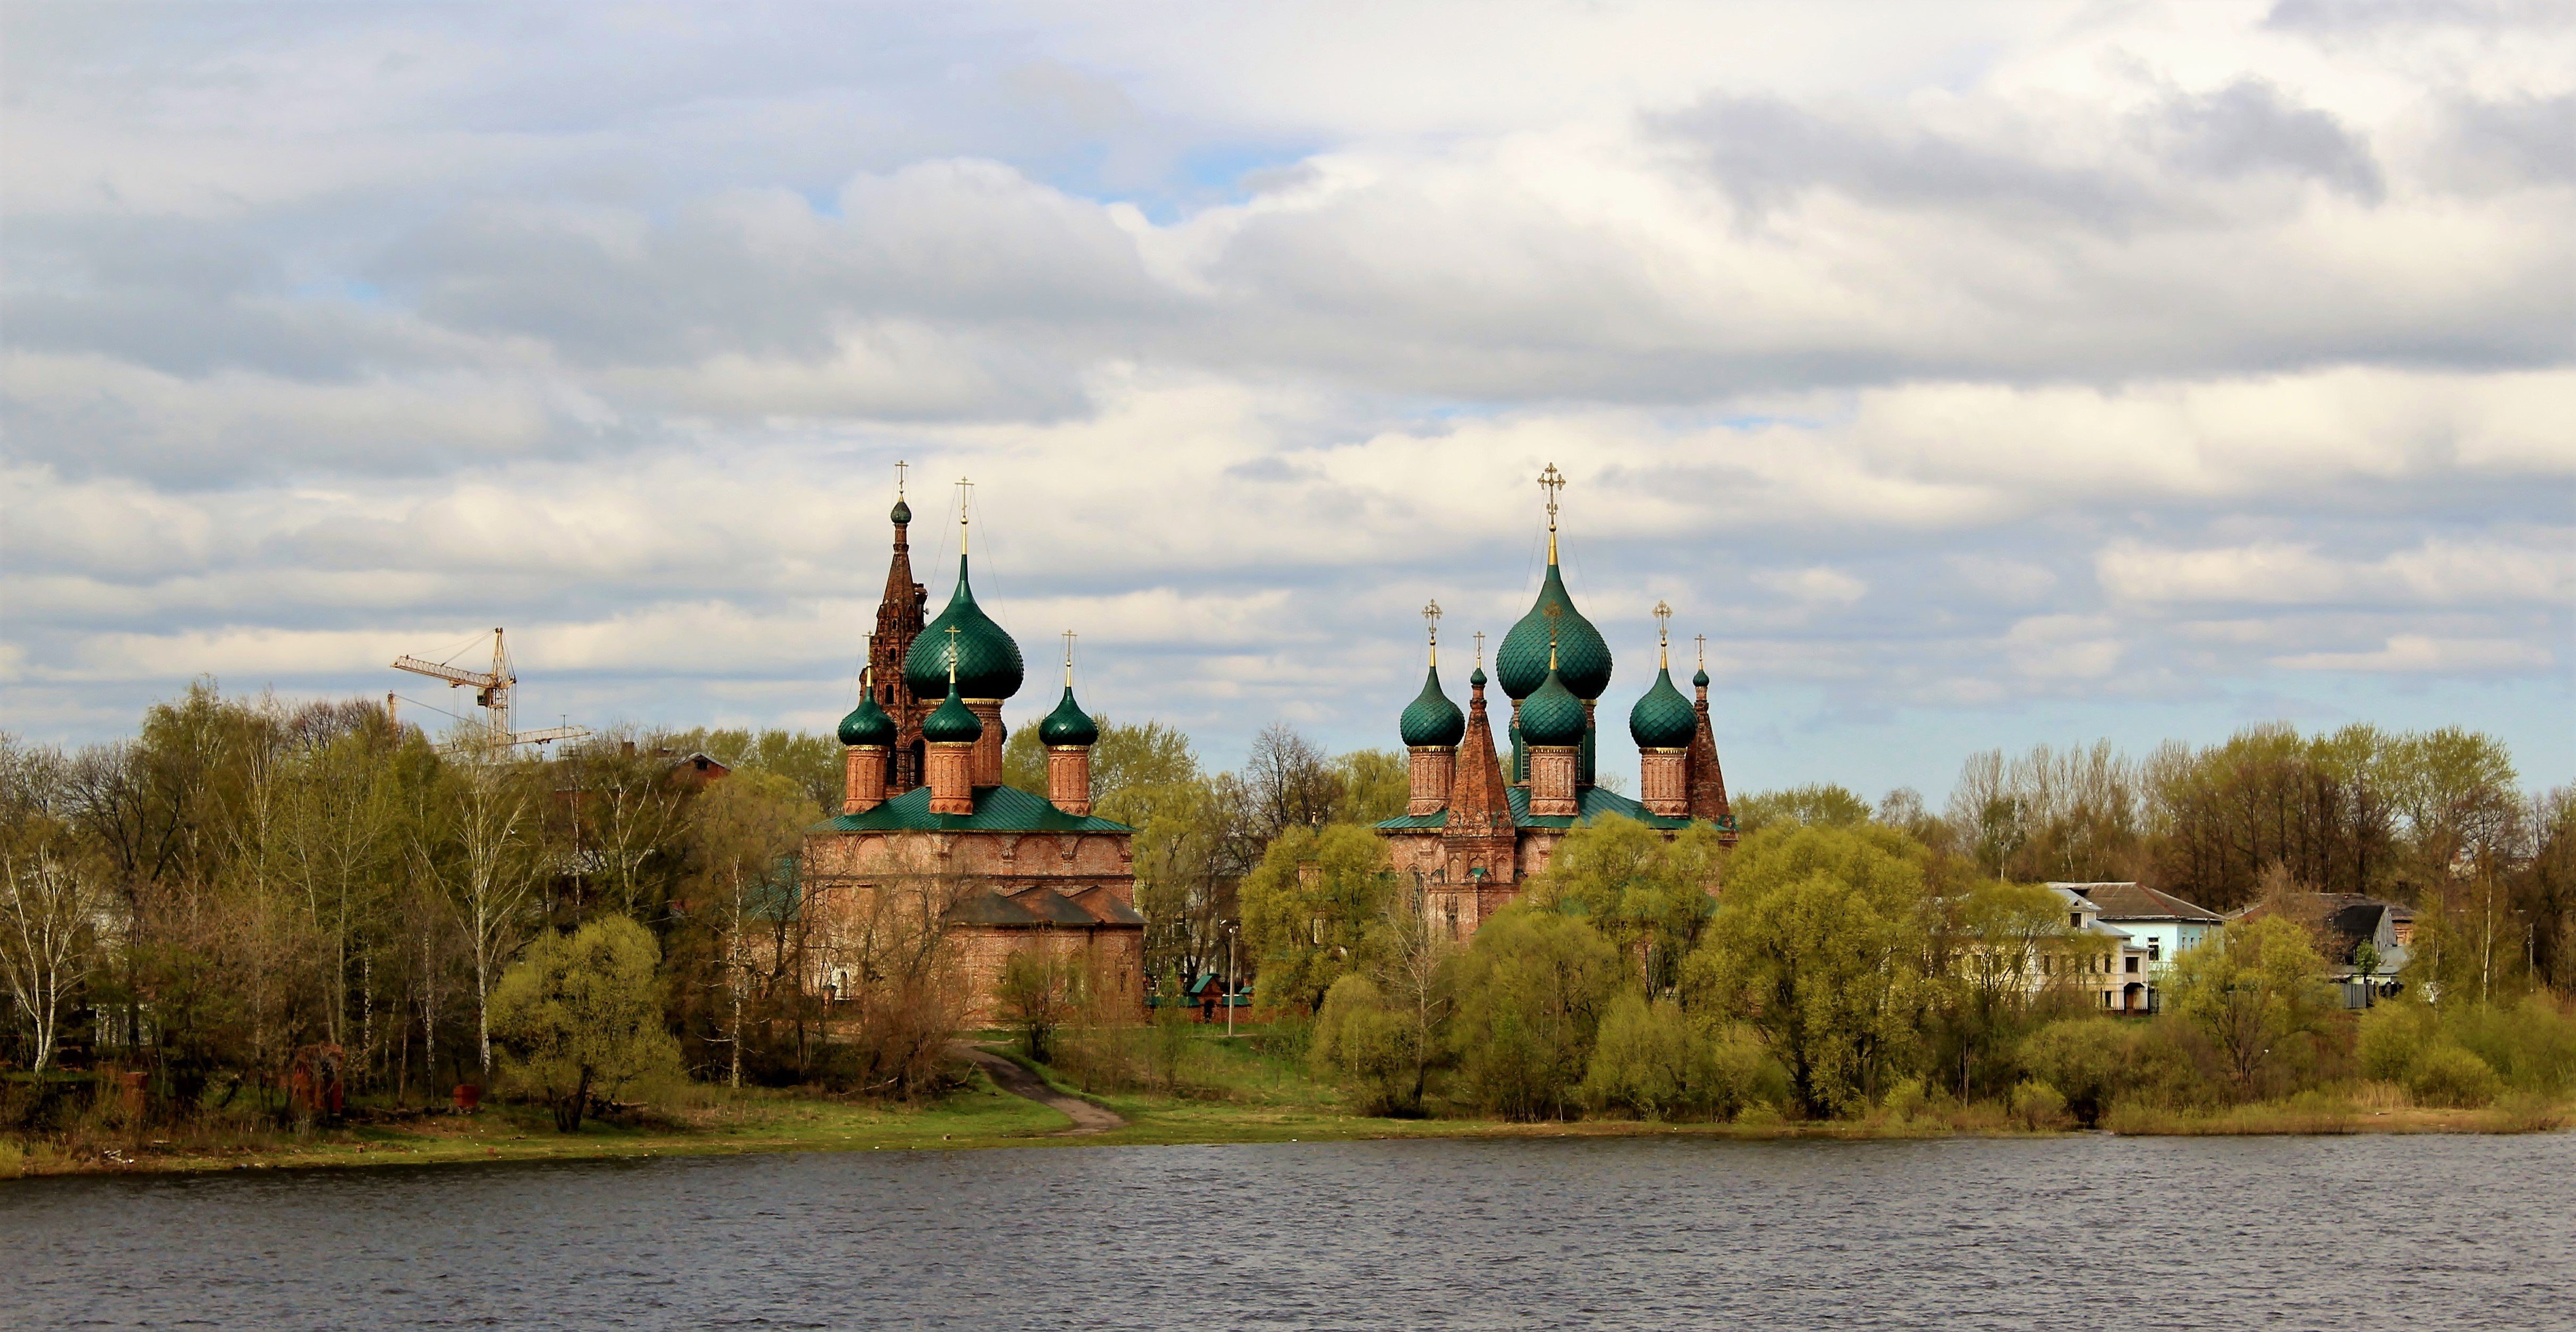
(1849, 969)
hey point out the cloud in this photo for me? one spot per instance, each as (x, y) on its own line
(2421, 654)
(2439, 573)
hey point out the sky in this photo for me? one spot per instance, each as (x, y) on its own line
(1970, 375)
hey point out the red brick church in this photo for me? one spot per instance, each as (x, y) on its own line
(1474, 833)
(928, 830)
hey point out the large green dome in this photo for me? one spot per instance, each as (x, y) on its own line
(988, 662)
(951, 722)
(1068, 724)
(1663, 719)
(868, 724)
(1581, 657)
(1552, 715)
(1431, 719)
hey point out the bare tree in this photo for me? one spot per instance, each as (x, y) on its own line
(491, 875)
(47, 914)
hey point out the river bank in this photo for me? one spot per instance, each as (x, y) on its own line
(986, 1115)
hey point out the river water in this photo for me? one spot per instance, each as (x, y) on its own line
(2084, 1234)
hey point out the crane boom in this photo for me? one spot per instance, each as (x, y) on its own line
(437, 670)
(492, 693)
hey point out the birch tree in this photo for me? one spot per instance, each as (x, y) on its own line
(47, 910)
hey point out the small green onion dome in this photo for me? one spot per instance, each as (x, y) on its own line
(1068, 724)
(868, 724)
(1431, 719)
(1700, 677)
(950, 722)
(1552, 715)
(902, 512)
(1581, 657)
(988, 661)
(1477, 680)
(1663, 719)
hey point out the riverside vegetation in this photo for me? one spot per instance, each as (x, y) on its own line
(207, 928)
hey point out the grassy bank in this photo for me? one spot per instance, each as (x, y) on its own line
(1233, 1091)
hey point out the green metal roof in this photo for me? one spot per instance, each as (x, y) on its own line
(1553, 715)
(1663, 719)
(1431, 719)
(1521, 662)
(997, 809)
(1591, 802)
(1068, 724)
(988, 660)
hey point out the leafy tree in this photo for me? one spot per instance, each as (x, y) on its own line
(1376, 784)
(1374, 1053)
(1531, 988)
(813, 760)
(580, 1015)
(748, 829)
(1040, 992)
(1647, 894)
(1310, 909)
(2085, 1059)
(1815, 945)
(2254, 993)
(1820, 804)
(1641, 1059)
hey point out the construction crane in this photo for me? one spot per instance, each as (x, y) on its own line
(492, 694)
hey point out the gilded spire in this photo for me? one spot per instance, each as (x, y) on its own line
(1431, 616)
(1550, 482)
(963, 487)
(1068, 659)
(1663, 635)
(952, 657)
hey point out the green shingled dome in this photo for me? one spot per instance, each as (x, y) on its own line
(902, 512)
(1581, 657)
(988, 662)
(1700, 677)
(1663, 719)
(1476, 679)
(1068, 724)
(868, 724)
(951, 723)
(1431, 719)
(1552, 715)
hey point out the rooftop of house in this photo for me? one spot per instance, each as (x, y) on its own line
(2138, 902)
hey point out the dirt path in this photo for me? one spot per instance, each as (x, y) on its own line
(1018, 1081)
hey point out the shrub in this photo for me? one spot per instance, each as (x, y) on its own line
(1642, 1062)
(581, 1015)
(2531, 1046)
(2038, 1106)
(1730, 1069)
(2393, 1038)
(1530, 991)
(2087, 1059)
(1906, 1100)
(2447, 1075)
(1363, 1047)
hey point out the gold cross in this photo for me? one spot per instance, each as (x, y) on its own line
(1663, 635)
(1068, 659)
(1551, 481)
(1431, 613)
(1480, 648)
(952, 659)
(899, 465)
(963, 486)
(1703, 652)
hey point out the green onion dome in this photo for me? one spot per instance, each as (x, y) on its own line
(1552, 715)
(902, 512)
(988, 662)
(950, 722)
(1431, 719)
(868, 724)
(1700, 677)
(1068, 724)
(1477, 680)
(1663, 719)
(1581, 657)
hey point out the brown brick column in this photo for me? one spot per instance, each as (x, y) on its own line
(863, 781)
(1069, 778)
(1663, 781)
(1552, 769)
(988, 746)
(952, 778)
(1435, 770)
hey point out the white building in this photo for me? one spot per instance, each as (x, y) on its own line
(2159, 927)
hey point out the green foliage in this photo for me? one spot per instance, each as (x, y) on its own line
(579, 1015)
(1646, 894)
(2528, 1047)
(1651, 1061)
(1818, 804)
(2448, 1076)
(812, 760)
(1377, 784)
(2088, 1060)
(2254, 994)
(1309, 909)
(2038, 1106)
(1815, 945)
(1530, 990)
(1369, 1051)
(1040, 992)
